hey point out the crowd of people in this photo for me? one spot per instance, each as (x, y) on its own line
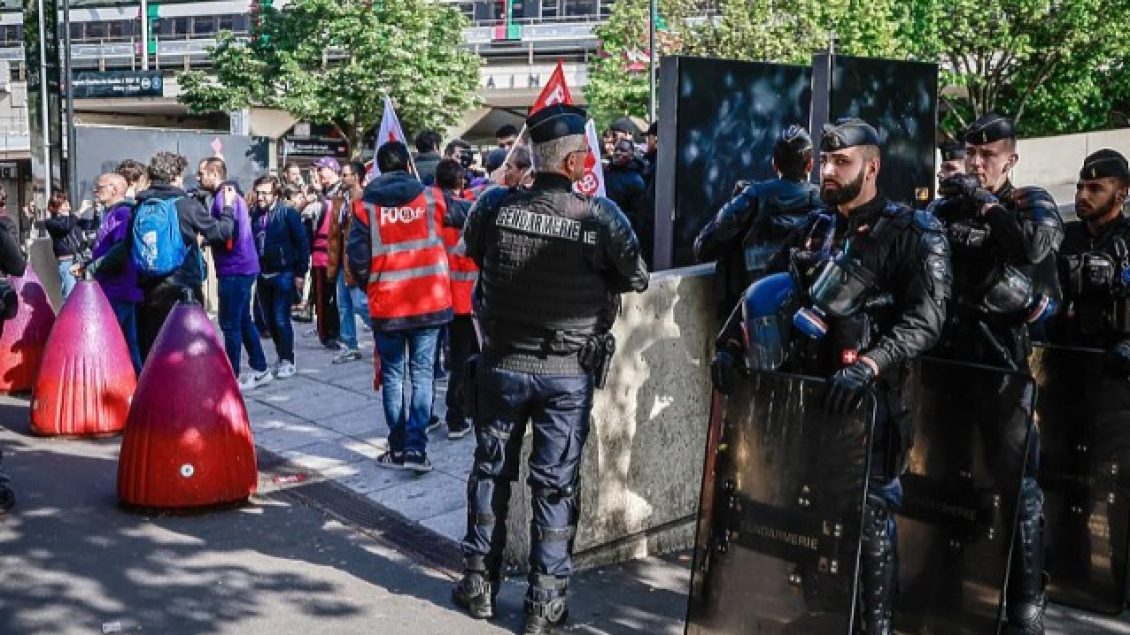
(411, 247)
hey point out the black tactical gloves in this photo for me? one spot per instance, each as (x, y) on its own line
(968, 187)
(847, 387)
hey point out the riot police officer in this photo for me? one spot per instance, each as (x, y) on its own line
(1003, 240)
(552, 265)
(752, 226)
(1094, 254)
(877, 276)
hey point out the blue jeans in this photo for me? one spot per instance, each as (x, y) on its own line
(275, 295)
(236, 323)
(126, 312)
(407, 425)
(350, 302)
(67, 280)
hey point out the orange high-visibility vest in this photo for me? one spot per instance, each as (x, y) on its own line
(463, 272)
(408, 273)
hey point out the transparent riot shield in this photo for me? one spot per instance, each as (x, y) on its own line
(781, 510)
(971, 425)
(1084, 417)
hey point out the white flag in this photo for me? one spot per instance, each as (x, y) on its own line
(593, 182)
(390, 130)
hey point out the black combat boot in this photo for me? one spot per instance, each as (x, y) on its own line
(879, 569)
(477, 593)
(545, 605)
(1026, 597)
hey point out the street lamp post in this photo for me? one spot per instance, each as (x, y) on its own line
(68, 77)
(653, 10)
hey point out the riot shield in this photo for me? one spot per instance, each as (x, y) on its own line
(957, 518)
(1084, 418)
(781, 510)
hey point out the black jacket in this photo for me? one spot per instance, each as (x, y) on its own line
(280, 240)
(626, 186)
(12, 260)
(1096, 294)
(906, 251)
(66, 233)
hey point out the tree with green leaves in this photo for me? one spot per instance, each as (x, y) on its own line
(618, 78)
(331, 61)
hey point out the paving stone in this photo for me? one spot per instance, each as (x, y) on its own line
(364, 422)
(320, 401)
(452, 524)
(424, 496)
(293, 435)
(452, 457)
(365, 477)
(329, 454)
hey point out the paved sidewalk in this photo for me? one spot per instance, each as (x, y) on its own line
(328, 422)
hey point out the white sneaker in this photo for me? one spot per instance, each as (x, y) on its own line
(253, 379)
(286, 369)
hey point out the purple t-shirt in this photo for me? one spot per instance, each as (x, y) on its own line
(238, 257)
(121, 286)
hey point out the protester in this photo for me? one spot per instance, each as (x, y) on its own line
(136, 175)
(462, 342)
(394, 244)
(507, 136)
(351, 302)
(427, 155)
(625, 185)
(324, 288)
(65, 229)
(237, 267)
(518, 170)
(12, 262)
(168, 202)
(121, 288)
(292, 175)
(284, 257)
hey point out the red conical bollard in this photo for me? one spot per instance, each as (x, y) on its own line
(21, 345)
(187, 441)
(86, 378)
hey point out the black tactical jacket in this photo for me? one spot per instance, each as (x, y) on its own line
(552, 265)
(907, 252)
(1094, 273)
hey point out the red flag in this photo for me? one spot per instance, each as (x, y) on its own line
(555, 91)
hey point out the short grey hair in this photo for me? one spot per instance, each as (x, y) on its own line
(167, 166)
(549, 155)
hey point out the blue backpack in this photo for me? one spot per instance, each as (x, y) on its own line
(157, 247)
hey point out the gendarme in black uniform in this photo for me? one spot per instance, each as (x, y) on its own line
(552, 265)
(1004, 246)
(881, 326)
(751, 228)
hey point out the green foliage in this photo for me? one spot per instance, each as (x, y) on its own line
(613, 90)
(330, 62)
(1056, 66)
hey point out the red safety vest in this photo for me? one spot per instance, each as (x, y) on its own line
(408, 274)
(464, 273)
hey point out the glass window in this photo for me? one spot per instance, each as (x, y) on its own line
(121, 29)
(96, 30)
(549, 9)
(241, 23)
(225, 23)
(175, 27)
(76, 30)
(579, 7)
(204, 26)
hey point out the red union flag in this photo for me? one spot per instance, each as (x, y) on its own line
(593, 182)
(555, 91)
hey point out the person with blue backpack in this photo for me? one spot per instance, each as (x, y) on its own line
(237, 267)
(162, 244)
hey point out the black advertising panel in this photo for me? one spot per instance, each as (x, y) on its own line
(115, 84)
(725, 116)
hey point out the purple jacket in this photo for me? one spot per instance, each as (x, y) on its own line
(121, 286)
(238, 257)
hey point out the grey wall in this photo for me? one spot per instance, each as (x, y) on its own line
(101, 148)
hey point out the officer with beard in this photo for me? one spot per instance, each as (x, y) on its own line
(552, 265)
(1004, 240)
(876, 276)
(1092, 260)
